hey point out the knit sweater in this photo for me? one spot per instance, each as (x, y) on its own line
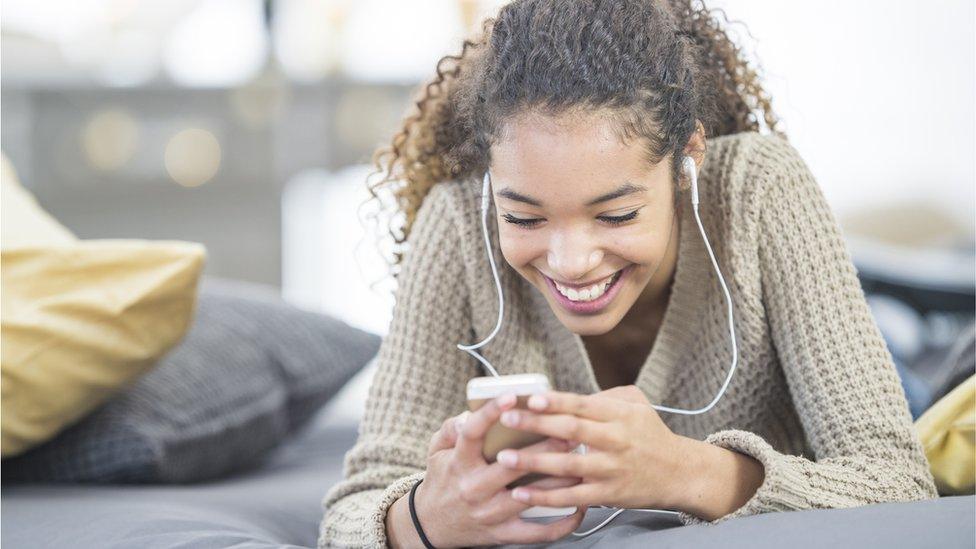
(815, 397)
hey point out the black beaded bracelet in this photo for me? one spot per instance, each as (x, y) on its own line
(416, 521)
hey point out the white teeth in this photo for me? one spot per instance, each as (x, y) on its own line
(586, 294)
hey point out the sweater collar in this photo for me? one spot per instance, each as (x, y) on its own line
(679, 328)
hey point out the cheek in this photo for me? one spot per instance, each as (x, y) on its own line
(642, 249)
(641, 245)
(519, 248)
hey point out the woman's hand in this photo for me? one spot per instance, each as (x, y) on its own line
(633, 460)
(463, 500)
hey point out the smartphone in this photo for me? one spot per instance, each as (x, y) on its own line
(499, 437)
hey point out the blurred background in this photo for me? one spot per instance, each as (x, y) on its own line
(248, 126)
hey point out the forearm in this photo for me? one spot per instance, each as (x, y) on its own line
(718, 480)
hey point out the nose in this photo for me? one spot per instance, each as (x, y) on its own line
(573, 257)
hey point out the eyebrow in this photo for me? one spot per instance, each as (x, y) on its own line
(623, 190)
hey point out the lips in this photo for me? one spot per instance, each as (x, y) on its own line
(588, 307)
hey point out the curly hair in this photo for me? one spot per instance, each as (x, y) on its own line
(657, 68)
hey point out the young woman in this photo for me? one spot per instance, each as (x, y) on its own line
(582, 114)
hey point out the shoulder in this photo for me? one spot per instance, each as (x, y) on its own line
(446, 231)
(454, 200)
(446, 207)
(748, 164)
(773, 148)
(459, 201)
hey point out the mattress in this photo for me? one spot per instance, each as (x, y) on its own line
(279, 505)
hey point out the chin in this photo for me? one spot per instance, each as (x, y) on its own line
(588, 325)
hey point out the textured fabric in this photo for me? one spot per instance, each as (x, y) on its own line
(251, 370)
(815, 398)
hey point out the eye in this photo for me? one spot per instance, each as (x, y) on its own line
(617, 220)
(519, 221)
(611, 219)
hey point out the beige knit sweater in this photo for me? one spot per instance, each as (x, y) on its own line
(815, 398)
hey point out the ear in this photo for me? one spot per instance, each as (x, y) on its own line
(695, 148)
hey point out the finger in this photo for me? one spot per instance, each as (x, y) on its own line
(581, 494)
(556, 464)
(595, 407)
(496, 476)
(502, 506)
(519, 531)
(626, 393)
(445, 437)
(550, 482)
(564, 426)
(471, 438)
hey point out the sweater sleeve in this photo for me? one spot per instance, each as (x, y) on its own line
(420, 381)
(840, 374)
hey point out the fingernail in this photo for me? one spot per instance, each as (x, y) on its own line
(510, 418)
(508, 458)
(538, 402)
(520, 494)
(459, 421)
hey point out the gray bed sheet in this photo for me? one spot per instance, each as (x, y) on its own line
(279, 505)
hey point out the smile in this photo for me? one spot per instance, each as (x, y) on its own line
(590, 299)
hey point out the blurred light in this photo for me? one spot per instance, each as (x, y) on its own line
(306, 36)
(134, 59)
(381, 41)
(55, 21)
(192, 157)
(83, 30)
(109, 139)
(86, 49)
(220, 43)
(258, 102)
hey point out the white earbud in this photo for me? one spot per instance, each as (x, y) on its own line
(688, 167)
(484, 193)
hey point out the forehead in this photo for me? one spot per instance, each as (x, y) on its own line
(541, 154)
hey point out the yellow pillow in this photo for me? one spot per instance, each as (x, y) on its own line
(947, 434)
(79, 320)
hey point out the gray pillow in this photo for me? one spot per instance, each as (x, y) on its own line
(251, 370)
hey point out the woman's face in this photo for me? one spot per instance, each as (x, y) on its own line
(583, 217)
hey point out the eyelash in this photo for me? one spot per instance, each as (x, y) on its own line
(613, 220)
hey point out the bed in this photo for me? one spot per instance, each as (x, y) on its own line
(278, 504)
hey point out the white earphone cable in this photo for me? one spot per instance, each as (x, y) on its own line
(735, 349)
(470, 349)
